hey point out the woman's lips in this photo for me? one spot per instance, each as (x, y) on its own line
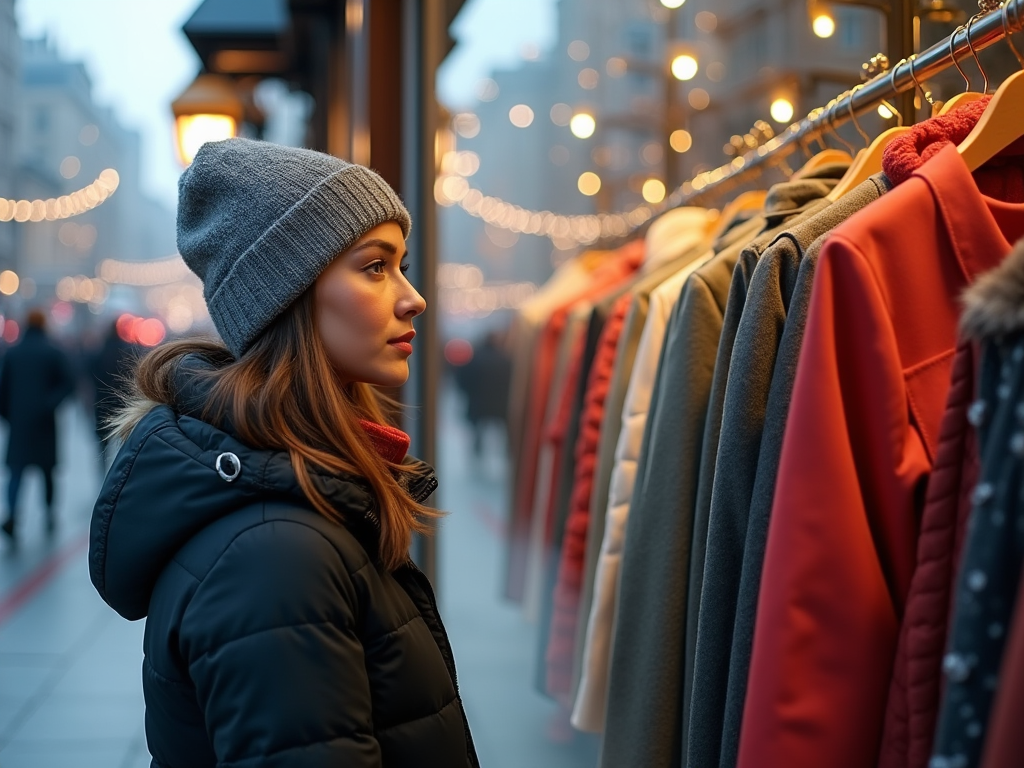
(404, 342)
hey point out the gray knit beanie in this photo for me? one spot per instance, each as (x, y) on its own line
(259, 222)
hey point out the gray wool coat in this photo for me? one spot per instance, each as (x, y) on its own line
(647, 681)
(756, 398)
(741, 277)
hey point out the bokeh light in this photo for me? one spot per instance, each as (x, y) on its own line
(589, 183)
(680, 140)
(654, 190)
(582, 125)
(782, 110)
(521, 116)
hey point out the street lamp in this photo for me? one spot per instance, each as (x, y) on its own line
(823, 21)
(823, 25)
(208, 110)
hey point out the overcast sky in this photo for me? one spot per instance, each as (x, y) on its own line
(139, 60)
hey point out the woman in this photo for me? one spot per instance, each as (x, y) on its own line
(260, 511)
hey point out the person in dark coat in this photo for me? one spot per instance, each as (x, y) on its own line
(35, 377)
(260, 511)
(485, 380)
(109, 369)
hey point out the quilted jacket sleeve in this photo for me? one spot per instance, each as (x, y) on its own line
(841, 541)
(270, 641)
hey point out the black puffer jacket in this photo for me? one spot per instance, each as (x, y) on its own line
(273, 638)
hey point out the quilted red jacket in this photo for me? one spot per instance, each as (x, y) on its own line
(914, 690)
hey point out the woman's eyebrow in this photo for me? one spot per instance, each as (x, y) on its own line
(384, 245)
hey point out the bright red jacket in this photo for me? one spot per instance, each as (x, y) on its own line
(860, 442)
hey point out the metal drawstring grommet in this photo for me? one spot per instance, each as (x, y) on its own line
(228, 466)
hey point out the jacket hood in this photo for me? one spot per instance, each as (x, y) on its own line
(994, 304)
(174, 476)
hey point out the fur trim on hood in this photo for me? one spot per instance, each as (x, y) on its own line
(994, 304)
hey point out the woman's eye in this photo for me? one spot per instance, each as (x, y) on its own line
(377, 267)
(405, 268)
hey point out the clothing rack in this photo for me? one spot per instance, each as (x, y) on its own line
(982, 32)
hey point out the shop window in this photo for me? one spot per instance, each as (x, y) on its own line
(850, 28)
(41, 120)
(638, 40)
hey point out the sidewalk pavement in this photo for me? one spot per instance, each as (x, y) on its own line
(70, 687)
(70, 690)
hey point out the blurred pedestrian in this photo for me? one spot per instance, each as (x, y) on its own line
(485, 381)
(261, 510)
(110, 368)
(35, 377)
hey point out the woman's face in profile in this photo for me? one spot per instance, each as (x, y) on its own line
(364, 309)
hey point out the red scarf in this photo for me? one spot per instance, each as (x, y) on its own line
(905, 154)
(391, 443)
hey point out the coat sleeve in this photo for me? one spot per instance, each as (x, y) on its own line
(842, 534)
(62, 381)
(643, 724)
(5, 389)
(271, 645)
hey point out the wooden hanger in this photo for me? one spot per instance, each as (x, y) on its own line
(823, 158)
(867, 163)
(744, 202)
(1000, 124)
(869, 160)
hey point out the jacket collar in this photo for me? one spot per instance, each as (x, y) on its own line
(981, 228)
(175, 475)
(789, 198)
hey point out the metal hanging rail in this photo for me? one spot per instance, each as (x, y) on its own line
(980, 33)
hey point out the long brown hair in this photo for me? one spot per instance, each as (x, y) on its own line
(283, 394)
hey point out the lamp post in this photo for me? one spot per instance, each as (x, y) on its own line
(208, 110)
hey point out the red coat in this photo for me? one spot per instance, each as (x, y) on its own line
(564, 621)
(613, 271)
(860, 442)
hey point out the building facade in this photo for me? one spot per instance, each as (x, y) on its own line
(63, 142)
(9, 54)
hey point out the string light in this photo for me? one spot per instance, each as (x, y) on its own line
(463, 291)
(174, 292)
(64, 207)
(562, 230)
(143, 273)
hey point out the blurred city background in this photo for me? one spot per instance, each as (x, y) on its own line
(497, 121)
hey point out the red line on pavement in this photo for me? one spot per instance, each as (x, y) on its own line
(40, 577)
